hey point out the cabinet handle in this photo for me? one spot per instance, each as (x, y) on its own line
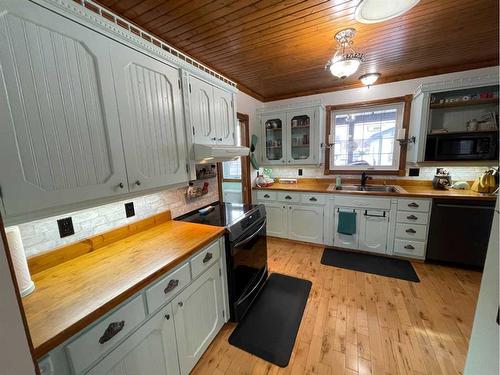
(289, 161)
(288, 197)
(207, 257)
(172, 284)
(213, 138)
(409, 247)
(413, 205)
(412, 217)
(181, 304)
(313, 199)
(120, 185)
(138, 182)
(411, 230)
(283, 161)
(167, 316)
(267, 196)
(220, 139)
(111, 331)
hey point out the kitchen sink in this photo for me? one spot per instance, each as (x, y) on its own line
(374, 188)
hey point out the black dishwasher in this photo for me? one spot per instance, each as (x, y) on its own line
(459, 231)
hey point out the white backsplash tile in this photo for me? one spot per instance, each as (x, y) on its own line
(43, 235)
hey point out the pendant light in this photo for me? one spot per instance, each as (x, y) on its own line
(372, 11)
(345, 61)
(369, 79)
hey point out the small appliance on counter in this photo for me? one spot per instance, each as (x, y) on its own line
(487, 182)
(263, 181)
(442, 179)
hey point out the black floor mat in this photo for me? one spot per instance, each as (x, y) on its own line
(378, 265)
(269, 328)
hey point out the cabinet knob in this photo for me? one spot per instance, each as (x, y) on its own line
(283, 161)
(138, 182)
(120, 185)
(220, 139)
(167, 316)
(288, 197)
(181, 304)
(213, 138)
(289, 161)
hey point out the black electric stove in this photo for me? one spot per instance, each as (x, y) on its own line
(246, 249)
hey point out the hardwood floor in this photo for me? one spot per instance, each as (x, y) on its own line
(357, 323)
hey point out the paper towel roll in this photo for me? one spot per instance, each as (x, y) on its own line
(26, 285)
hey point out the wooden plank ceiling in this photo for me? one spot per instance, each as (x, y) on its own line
(278, 49)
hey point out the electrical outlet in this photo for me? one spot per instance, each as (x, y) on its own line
(129, 209)
(65, 227)
(300, 171)
(413, 172)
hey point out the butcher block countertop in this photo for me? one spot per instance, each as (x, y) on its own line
(104, 271)
(407, 188)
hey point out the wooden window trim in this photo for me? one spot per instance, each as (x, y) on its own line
(405, 125)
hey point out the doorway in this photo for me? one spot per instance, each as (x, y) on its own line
(234, 175)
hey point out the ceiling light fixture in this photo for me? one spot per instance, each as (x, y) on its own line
(369, 79)
(372, 11)
(345, 61)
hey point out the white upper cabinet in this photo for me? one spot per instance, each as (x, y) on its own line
(212, 113)
(274, 134)
(151, 115)
(201, 105)
(60, 139)
(225, 116)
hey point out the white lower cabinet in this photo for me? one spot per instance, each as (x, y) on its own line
(305, 223)
(198, 317)
(346, 241)
(373, 231)
(152, 349)
(277, 215)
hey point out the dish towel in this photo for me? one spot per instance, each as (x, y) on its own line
(347, 223)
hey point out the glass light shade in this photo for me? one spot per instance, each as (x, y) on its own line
(372, 11)
(369, 78)
(343, 68)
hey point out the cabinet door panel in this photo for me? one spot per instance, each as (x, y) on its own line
(198, 317)
(344, 240)
(150, 108)
(202, 111)
(277, 216)
(373, 231)
(274, 137)
(224, 116)
(305, 223)
(60, 137)
(150, 350)
(301, 137)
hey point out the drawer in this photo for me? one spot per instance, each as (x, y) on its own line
(412, 217)
(167, 287)
(284, 196)
(411, 231)
(203, 261)
(421, 205)
(266, 195)
(104, 336)
(362, 202)
(312, 198)
(409, 248)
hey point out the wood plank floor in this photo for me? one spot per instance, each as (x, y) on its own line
(357, 323)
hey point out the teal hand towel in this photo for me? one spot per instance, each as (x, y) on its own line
(347, 223)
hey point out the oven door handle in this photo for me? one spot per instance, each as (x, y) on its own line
(248, 239)
(255, 287)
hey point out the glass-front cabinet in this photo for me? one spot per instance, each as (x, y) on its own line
(292, 137)
(274, 136)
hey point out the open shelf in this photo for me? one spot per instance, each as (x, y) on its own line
(465, 103)
(465, 132)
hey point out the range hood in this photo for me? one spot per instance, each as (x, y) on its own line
(215, 153)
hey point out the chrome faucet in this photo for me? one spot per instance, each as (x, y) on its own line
(364, 178)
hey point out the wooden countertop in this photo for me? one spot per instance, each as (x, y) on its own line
(71, 295)
(423, 189)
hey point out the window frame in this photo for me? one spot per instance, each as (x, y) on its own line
(400, 171)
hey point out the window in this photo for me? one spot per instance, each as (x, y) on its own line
(364, 137)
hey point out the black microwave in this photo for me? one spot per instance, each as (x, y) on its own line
(462, 146)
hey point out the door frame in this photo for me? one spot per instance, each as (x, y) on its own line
(246, 186)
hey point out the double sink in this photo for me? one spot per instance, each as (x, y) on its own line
(372, 188)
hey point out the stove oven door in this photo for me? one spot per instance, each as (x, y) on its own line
(248, 267)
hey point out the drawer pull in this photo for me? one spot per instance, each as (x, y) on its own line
(172, 284)
(167, 316)
(413, 205)
(313, 199)
(267, 196)
(412, 217)
(411, 230)
(409, 247)
(288, 197)
(111, 331)
(207, 257)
